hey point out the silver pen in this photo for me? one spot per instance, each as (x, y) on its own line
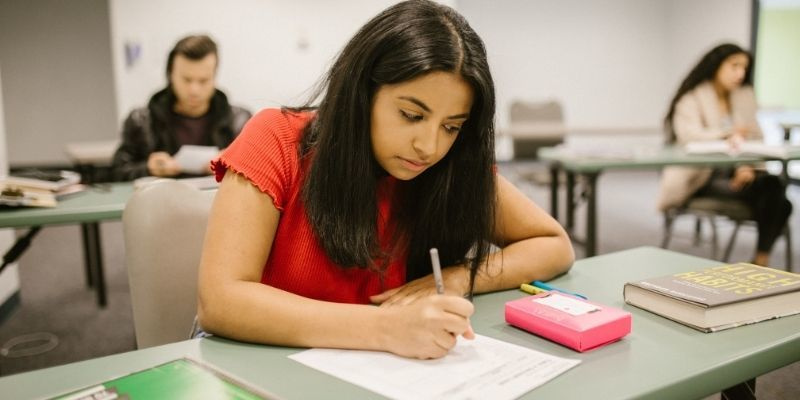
(437, 271)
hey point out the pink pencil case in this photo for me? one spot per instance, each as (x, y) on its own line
(573, 322)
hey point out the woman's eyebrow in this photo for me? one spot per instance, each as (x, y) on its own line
(425, 107)
(416, 101)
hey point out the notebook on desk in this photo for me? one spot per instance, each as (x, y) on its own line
(178, 379)
(44, 180)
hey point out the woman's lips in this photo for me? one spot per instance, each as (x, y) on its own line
(414, 165)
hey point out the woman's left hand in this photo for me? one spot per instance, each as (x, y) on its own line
(455, 281)
(743, 176)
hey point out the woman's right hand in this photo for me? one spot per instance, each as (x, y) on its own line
(161, 164)
(429, 327)
(743, 176)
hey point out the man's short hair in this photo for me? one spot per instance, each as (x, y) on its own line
(194, 47)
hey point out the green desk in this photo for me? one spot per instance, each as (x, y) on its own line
(660, 359)
(589, 166)
(88, 208)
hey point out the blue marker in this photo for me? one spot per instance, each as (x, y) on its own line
(542, 285)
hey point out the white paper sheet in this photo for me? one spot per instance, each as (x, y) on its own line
(745, 147)
(483, 368)
(195, 159)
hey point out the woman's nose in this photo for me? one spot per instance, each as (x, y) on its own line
(425, 143)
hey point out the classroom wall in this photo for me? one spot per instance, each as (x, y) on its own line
(696, 26)
(613, 63)
(59, 86)
(9, 278)
(271, 51)
(778, 75)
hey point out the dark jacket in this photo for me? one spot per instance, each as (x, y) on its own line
(148, 129)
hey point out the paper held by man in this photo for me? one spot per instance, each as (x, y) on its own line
(196, 159)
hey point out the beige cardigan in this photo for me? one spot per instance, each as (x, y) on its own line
(698, 117)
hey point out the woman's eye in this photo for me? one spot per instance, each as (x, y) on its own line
(452, 128)
(411, 117)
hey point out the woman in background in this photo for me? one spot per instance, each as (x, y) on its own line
(323, 211)
(716, 101)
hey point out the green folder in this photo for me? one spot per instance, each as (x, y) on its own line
(178, 379)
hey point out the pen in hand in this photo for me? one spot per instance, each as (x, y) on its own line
(437, 278)
(437, 271)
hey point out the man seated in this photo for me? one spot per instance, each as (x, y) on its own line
(189, 111)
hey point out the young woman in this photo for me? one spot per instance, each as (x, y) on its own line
(322, 214)
(716, 101)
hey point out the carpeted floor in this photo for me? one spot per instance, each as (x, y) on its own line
(55, 299)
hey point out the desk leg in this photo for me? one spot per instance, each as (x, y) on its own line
(87, 255)
(554, 190)
(95, 255)
(570, 219)
(591, 214)
(743, 391)
(785, 172)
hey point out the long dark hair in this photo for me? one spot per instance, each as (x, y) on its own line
(451, 205)
(705, 70)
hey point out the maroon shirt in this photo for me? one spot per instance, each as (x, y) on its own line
(192, 130)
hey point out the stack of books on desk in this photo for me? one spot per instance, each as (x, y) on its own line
(36, 188)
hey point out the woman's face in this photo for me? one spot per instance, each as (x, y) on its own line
(730, 73)
(416, 122)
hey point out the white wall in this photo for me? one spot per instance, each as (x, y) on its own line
(613, 63)
(9, 279)
(59, 86)
(694, 27)
(271, 51)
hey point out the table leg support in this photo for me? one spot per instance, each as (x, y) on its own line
(19, 247)
(570, 222)
(87, 255)
(94, 256)
(591, 215)
(554, 175)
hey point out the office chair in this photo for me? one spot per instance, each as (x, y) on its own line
(710, 209)
(535, 124)
(164, 224)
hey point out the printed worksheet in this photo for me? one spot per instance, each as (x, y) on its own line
(195, 159)
(475, 369)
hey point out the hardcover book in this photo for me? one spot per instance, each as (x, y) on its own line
(718, 298)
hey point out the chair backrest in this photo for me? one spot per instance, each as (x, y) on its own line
(535, 124)
(164, 225)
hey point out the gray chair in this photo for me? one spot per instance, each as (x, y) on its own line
(535, 124)
(164, 225)
(711, 209)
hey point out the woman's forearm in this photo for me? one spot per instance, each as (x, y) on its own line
(538, 258)
(253, 312)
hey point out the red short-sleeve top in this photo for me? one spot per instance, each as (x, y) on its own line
(266, 153)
